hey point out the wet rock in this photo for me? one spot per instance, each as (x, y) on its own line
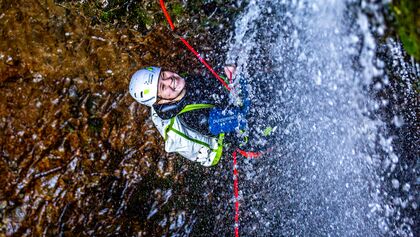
(79, 153)
(95, 124)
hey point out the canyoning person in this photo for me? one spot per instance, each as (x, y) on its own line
(192, 116)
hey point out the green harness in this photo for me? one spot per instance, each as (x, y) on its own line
(189, 108)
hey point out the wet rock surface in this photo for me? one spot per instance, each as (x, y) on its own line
(78, 155)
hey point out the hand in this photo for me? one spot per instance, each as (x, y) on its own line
(203, 155)
(230, 71)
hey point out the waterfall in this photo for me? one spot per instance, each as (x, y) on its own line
(313, 66)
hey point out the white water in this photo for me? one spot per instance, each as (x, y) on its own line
(314, 61)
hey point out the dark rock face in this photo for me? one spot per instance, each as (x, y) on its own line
(78, 154)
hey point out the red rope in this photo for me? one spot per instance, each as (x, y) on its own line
(162, 4)
(205, 63)
(230, 78)
(250, 155)
(236, 192)
(254, 154)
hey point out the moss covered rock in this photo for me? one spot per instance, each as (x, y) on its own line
(407, 14)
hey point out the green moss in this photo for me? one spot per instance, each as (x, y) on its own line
(177, 9)
(183, 74)
(147, 15)
(142, 17)
(105, 16)
(408, 25)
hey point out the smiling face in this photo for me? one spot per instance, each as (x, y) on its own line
(171, 87)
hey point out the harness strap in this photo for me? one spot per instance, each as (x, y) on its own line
(191, 107)
(188, 108)
(219, 150)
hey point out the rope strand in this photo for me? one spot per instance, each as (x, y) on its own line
(236, 193)
(168, 18)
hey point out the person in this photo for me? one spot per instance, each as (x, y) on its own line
(192, 116)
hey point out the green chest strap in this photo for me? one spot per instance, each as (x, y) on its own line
(220, 139)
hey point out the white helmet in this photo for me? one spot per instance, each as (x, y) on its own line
(143, 85)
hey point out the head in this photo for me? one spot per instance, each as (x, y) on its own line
(153, 85)
(171, 87)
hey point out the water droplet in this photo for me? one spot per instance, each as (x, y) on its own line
(395, 183)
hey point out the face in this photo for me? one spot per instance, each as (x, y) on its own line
(170, 86)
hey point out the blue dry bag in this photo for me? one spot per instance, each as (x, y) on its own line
(223, 121)
(227, 120)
